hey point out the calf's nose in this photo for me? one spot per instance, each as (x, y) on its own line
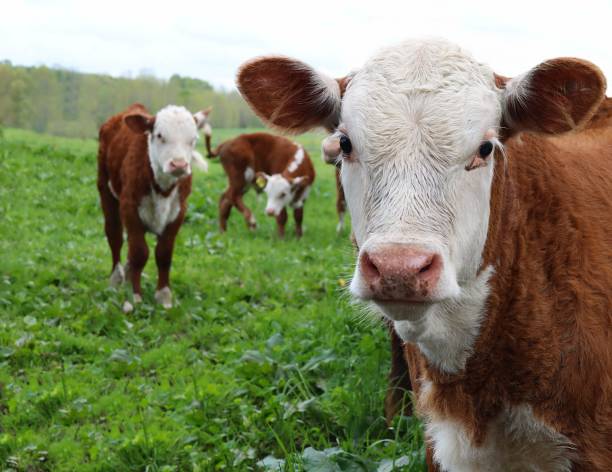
(400, 272)
(178, 165)
(269, 212)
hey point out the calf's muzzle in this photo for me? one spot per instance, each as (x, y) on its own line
(400, 272)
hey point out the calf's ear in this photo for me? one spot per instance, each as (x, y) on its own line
(290, 95)
(199, 161)
(201, 120)
(139, 122)
(554, 97)
(261, 180)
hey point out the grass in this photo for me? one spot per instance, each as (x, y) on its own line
(262, 364)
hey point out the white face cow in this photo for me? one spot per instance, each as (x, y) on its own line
(418, 126)
(281, 191)
(172, 137)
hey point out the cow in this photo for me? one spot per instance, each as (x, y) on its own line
(331, 154)
(144, 179)
(274, 164)
(481, 209)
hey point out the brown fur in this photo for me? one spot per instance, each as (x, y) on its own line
(262, 152)
(546, 340)
(124, 160)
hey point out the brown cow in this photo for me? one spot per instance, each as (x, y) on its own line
(276, 165)
(484, 237)
(144, 179)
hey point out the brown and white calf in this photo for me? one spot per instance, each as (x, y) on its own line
(484, 237)
(274, 164)
(144, 179)
(332, 154)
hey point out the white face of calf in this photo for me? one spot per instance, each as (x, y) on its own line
(416, 117)
(280, 191)
(417, 128)
(172, 137)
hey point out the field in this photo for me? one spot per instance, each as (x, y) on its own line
(263, 364)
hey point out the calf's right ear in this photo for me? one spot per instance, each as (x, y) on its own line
(290, 95)
(139, 122)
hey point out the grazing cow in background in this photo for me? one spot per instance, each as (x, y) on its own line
(144, 179)
(330, 150)
(276, 165)
(484, 237)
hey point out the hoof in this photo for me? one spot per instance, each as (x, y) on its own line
(128, 307)
(117, 276)
(164, 297)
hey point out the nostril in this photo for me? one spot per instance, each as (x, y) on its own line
(425, 268)
(368, 268)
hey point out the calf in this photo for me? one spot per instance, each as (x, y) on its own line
(331, 153)
(144, 179)
(484, 237)
(274, 164)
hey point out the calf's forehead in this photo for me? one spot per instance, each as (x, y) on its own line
(176, 122)
(421, 93)
(276, 184)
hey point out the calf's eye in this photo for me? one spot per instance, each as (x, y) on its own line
(485, 149)
(345, 145)
(282, 195)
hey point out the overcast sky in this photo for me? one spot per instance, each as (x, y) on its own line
(209, 39)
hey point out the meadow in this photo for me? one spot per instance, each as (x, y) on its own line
(263, 363)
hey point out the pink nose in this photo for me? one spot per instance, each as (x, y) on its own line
(269, 212)
(177, 165)
(400, 272)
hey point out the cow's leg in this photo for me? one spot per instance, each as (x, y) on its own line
(138, 253)
(429, 460)
(397, 400)
(163, 258)
(298, 216)
(114, 232)
(246, 212)
(340, 202)
(225, 208)
(281, 221)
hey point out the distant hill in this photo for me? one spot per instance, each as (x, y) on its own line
(74, 104)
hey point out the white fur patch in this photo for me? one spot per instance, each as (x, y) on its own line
(207, 130)
(516, 441)
(112, 190)
(249, 174)
(297, 159)
(340, 225)
(157, 211)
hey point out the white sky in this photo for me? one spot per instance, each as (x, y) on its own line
(209, 39)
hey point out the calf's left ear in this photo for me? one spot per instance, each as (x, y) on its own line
(139, 122)
(201, 117)
(554, 97)
(199, 161)
(290, 95)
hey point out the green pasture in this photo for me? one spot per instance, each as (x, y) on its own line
(263, 364)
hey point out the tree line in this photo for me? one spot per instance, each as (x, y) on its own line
(68, 103)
